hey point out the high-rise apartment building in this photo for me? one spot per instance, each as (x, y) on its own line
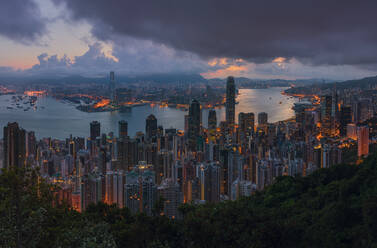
(362, 141)
(95, 130)
(14, 145)
(123, 129)
(246, 123)
(326, 115)
(194, 124)
(151, 126)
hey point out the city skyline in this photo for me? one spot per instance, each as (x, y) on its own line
(187, 124)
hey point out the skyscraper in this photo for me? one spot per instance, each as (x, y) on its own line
(326, 113)
(210, 182)
(345, 118)
(151, 126)
(112, 87)
(14, 146)
(262, 121)
(194, 124)
(95, 130)
(246, 123)
(230, 101)
(212, 124)
(362, 140)
(123, 129)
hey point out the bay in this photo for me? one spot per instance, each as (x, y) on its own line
(58, 119)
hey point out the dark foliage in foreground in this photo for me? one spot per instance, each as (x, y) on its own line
(334, 207)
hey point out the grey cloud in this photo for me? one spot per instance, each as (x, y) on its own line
(314, 31)
(130, 57)
(20, 20)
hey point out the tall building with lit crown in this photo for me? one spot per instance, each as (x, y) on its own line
(14, 145)
(112, 87)
(230, 104)
(362, 141)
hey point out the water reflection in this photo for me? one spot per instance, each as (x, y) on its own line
(60, 119)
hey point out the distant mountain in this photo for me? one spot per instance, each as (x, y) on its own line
(364, 83)
(263, 83)
(124, 79)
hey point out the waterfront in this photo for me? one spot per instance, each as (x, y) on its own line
(58, 119)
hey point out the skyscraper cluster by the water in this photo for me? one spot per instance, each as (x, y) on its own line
(224, 161)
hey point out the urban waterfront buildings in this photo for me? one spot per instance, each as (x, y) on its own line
(156, 171)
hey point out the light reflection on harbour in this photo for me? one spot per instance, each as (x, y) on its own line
(60, 119)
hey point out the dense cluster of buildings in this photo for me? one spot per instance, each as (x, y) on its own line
(159, 169)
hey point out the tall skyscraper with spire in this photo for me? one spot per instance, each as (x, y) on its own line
(112, 87)
(230, 104)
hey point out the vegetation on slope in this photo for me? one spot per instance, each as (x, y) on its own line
(335, 207)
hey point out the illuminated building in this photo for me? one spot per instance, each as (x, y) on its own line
(123, 129)
(194, 124)
(151, 127)
(326, 115)
(209, 182)
(246, 123)
(91, 189)
(14, 145)
(345, 118)
(352, 131)
(140, 190)
(230, 104)
(362, 141)
(172, 195)
(76, 201)
(190, 184)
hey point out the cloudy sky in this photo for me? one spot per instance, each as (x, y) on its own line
(329, 39)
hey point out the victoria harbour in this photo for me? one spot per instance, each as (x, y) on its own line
(188, 124)
(60, 119)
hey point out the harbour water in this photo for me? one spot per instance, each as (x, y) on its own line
(58, 119)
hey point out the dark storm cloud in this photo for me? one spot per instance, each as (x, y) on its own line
(314, 31)
(20, 20)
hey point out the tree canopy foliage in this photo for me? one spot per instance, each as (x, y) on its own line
(335, 207)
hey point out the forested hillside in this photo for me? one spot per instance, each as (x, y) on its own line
(334, 207)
